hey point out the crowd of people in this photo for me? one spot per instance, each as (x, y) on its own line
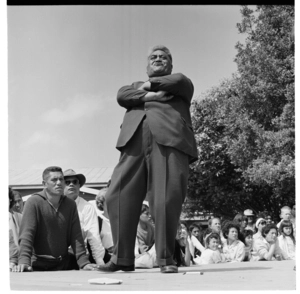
(58, 230)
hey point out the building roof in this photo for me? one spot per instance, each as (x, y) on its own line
(30, 178)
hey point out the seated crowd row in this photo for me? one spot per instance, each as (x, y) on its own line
(59, 230)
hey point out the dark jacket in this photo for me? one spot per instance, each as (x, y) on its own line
(169, 122)
(45, 231)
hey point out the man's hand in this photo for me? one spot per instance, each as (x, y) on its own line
(90, 267)
(160, 96)
(22, 268)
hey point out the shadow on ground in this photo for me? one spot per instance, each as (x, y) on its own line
(231, 269)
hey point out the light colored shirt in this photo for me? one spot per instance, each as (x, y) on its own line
(287, 245)
(105, 234)
(235, 251)
(209, 256)
(261, 247)
(258, 235)
(15, 219)
(194, 243)
(90, 228)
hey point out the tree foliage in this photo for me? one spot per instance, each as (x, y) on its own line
(244, 127)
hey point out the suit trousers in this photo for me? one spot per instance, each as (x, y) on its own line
(147, 169)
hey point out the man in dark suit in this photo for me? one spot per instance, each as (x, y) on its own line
(157, 144)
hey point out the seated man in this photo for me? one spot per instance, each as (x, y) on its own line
(104, 224)
(50, 224)
(87, 216)
(145, 231)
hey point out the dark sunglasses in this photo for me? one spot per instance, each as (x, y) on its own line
(74, 182)
(262, 223)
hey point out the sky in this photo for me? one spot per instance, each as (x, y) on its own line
(67, 63)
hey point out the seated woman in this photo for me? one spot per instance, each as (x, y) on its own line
(213, 252)
(267, 248)
(233, 248)
(196, 248)
(260, 224)
(287, 241)
(248, 237)
(182, 254)
(242, 221)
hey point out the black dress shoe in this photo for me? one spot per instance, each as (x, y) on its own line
(169, 269)
(111, 267)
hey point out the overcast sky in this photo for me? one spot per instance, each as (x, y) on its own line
(66, 64)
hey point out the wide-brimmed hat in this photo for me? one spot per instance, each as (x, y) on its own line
(248, 212)
(259, 220)
(71, 173)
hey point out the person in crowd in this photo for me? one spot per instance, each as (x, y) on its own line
(157, 145)
(214, 226)
(193, 238)
(19, 204)
(233, 248)
(242, 221)
(15, 219)
(285, 214)
(195, 230)
(260, 224)
(269, 219)
(13, 251)
(213, 252)
(251, 220)
(268, 248)
(286, 239)
(293, 219)
(182, 254)
(103, 220)
(87, 216)
(145, 231)
(104, 224)
(50, 224)
(248, 237)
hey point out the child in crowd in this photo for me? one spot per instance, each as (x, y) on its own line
(212, 253)
(234, 249)
(287, 242)
(248, 236)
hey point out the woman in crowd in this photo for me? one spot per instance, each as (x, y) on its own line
(212, 253)
(260, 224)
(196, 248)
(214, 226)
(267, 248)
(287, 242)
(233, 248)
(248, 236)
(182, 254)
(242, 221)
(15, 219)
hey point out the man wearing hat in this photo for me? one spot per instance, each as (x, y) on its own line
(251, 222)
(87, 215)
(157, 145)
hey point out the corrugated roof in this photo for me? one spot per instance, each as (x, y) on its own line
(34, 176)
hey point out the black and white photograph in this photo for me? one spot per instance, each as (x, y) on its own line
(149, 147)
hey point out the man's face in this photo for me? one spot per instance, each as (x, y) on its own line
(250, 219)
(159, 64)
(216, 225)
(18, 207)
(286, 214)
(54, 183)
(72, 187)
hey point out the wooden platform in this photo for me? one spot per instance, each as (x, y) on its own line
(265, 275)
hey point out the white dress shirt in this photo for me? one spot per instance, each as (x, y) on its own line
(90, 228)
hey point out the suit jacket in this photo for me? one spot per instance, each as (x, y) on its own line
(169, 121)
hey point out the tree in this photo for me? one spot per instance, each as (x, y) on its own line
(245, 127)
